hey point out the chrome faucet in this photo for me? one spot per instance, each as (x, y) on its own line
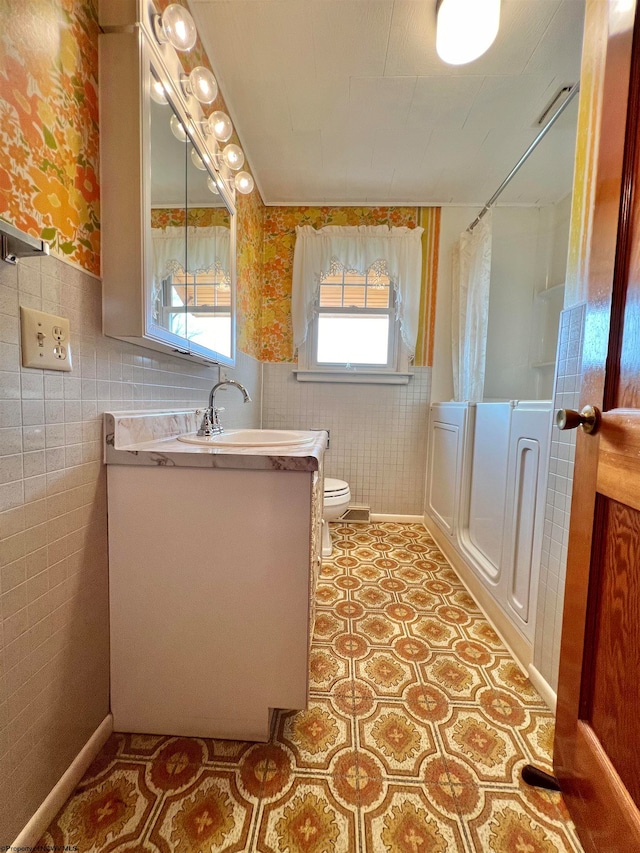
(211, 422)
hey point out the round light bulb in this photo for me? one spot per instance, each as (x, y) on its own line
(244, 182)
(176, 26)
(466, 29)
(213, 186)
(220, 125)
(177, 128)
(197, 160)
(157, 92)
(201, 84)
(233, 157)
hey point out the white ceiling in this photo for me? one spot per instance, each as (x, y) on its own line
(346, 101)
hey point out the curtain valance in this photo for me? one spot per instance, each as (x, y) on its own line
(360, 249)
(200, 249)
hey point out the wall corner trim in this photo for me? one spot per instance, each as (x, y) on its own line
(64, 787)
(543, 687)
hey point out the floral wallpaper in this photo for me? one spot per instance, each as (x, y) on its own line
(49, 124)
(200, 217)
(279, 242)
(251, 213)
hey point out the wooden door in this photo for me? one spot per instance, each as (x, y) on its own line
(597, 747)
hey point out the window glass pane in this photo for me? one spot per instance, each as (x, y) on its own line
(353, 340)
(330, 296)
(354, 296)
(205, 328)
(378, 297)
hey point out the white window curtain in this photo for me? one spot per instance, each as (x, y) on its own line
(204, 249)
(360, 248)
(470, 310)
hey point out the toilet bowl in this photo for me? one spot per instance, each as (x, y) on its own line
(336, 502)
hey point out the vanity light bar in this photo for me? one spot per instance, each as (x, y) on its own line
(176, 28)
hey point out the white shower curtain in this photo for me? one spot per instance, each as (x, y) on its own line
(470, 310)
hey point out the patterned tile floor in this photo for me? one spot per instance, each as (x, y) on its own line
(418, 725)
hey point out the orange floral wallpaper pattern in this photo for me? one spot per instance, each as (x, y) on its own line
(251, 212)
(49, 133)
(199, 217)
(279, 242)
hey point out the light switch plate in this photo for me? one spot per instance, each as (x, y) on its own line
(45, 340)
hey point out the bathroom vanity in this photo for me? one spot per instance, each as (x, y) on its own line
(214, 555)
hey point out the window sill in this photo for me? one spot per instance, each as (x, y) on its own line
(363, 377)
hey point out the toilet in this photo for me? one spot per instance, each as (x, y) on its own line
(336, 502)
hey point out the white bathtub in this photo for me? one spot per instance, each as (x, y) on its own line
(485, 491)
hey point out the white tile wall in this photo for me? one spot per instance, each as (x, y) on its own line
(553, 563)
(54, 634)
(378, 432)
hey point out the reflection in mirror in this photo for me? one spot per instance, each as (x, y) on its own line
(207, 287)
(190, 227)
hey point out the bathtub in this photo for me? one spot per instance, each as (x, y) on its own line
(486, 486)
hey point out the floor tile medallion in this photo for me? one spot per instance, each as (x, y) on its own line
(418, 725)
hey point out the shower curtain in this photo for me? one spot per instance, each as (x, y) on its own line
(470, 310)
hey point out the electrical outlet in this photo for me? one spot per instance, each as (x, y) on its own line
(45, 340)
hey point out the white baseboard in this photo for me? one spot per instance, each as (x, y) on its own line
(64, 787)
(543, 687)
(399, 519)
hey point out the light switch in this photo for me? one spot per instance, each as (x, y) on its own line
(45, 340)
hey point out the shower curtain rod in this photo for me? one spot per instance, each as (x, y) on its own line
(573, 91)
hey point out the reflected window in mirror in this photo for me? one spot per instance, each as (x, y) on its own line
(192, 286)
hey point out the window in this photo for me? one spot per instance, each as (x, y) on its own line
(354, 324)
(198, 307)
(192, 295)
(355, 301)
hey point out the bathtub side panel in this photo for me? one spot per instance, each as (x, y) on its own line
(488, 478)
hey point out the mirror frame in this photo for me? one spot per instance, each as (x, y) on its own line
(129, 52)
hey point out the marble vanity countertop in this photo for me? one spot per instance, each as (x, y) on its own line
(151, 438)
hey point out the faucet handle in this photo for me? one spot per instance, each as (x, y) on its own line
(206, 426)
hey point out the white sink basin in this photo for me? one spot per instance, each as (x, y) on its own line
(252, 438)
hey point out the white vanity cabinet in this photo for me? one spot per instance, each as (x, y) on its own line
(212, 582)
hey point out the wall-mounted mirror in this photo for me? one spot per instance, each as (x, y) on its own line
(192, 296)
(169, 219)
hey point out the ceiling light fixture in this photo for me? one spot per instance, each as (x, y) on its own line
(465, 29)
(201, 84)
(176, 26)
